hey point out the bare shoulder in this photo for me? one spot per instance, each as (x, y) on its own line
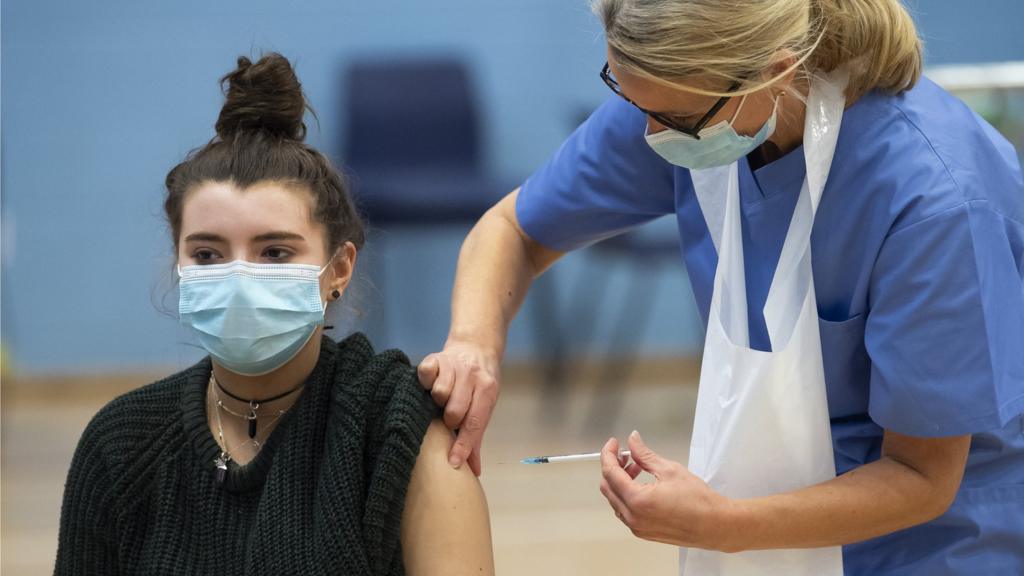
(445, 522)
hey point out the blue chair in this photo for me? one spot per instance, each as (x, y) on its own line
(412, 152)
(412, 143)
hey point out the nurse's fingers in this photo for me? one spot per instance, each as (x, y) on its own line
(445, 380)
(620, 509)
(611, 470)
(427, 371)
(633, 469)
(645, 457)
(474, 459)
(459, 399)
(471, 429)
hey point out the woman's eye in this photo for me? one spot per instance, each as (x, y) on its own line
(204, 256)
(275, 253)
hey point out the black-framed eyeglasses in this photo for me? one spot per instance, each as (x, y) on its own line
(665, 121)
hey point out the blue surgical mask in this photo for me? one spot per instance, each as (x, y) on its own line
(252, 318)
(719, 145)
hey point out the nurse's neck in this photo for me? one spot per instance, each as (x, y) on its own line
(789, 128)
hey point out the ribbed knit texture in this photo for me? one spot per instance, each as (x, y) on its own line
(324, 495)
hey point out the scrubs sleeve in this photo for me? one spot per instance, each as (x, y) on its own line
(945, 328)
(602, 181)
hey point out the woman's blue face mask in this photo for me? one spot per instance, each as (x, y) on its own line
(252, 318)
(719, 145)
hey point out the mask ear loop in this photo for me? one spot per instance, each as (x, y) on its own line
(736, 114)
(775, 105)
(328, 265)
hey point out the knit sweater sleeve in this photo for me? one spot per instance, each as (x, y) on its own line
(400, 411)
(87, 544)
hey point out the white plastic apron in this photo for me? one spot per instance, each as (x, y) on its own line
(762, 424)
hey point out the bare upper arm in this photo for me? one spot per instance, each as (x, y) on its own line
(445, 523)
(541, 257)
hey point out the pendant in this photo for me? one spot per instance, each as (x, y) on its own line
(221, 462)
(253, 406)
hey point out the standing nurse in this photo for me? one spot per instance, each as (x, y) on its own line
(855, 239)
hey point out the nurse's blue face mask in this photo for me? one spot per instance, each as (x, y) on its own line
(698, 147)
(718, 145)
(252, 318)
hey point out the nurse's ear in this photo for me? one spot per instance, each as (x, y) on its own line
(342, 267)
(783, 70)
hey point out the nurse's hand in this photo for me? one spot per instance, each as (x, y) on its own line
(677, 508)
(463, 379)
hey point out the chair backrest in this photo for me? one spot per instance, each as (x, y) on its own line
(410, 113)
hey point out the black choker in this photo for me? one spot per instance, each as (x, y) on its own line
(254, 404)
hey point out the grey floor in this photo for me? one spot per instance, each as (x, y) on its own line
(545, 519)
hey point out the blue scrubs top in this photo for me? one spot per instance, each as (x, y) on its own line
(918, 256)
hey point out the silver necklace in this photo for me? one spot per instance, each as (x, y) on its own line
(254, 403)
(221, 461)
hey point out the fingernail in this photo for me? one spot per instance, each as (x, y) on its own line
(454, 462)
(634, 434)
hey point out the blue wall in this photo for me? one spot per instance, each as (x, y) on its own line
(100, 99)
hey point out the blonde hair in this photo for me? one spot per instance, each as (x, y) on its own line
(675, 41)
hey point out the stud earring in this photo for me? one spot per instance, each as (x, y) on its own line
(335, 294)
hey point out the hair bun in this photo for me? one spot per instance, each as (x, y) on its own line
(265, 96)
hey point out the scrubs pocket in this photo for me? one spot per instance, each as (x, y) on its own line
(847, 365)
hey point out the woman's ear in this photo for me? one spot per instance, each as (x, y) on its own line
(343, 266)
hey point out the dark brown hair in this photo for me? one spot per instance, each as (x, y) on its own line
(260, 135)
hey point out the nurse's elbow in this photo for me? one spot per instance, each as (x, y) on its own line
(933, 500)
(941, 501)
(936, 467)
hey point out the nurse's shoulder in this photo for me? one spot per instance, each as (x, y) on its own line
(925, 152)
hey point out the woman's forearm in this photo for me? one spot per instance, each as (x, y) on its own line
(884, 496)
(496, 266)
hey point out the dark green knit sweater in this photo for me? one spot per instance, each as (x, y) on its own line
(324, 495)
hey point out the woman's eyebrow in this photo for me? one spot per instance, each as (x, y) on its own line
(204, 237)
(278, 235)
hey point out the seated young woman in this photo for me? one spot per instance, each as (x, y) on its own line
(282, 452)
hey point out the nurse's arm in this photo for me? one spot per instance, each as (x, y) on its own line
(914, 481)
(497, 264)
